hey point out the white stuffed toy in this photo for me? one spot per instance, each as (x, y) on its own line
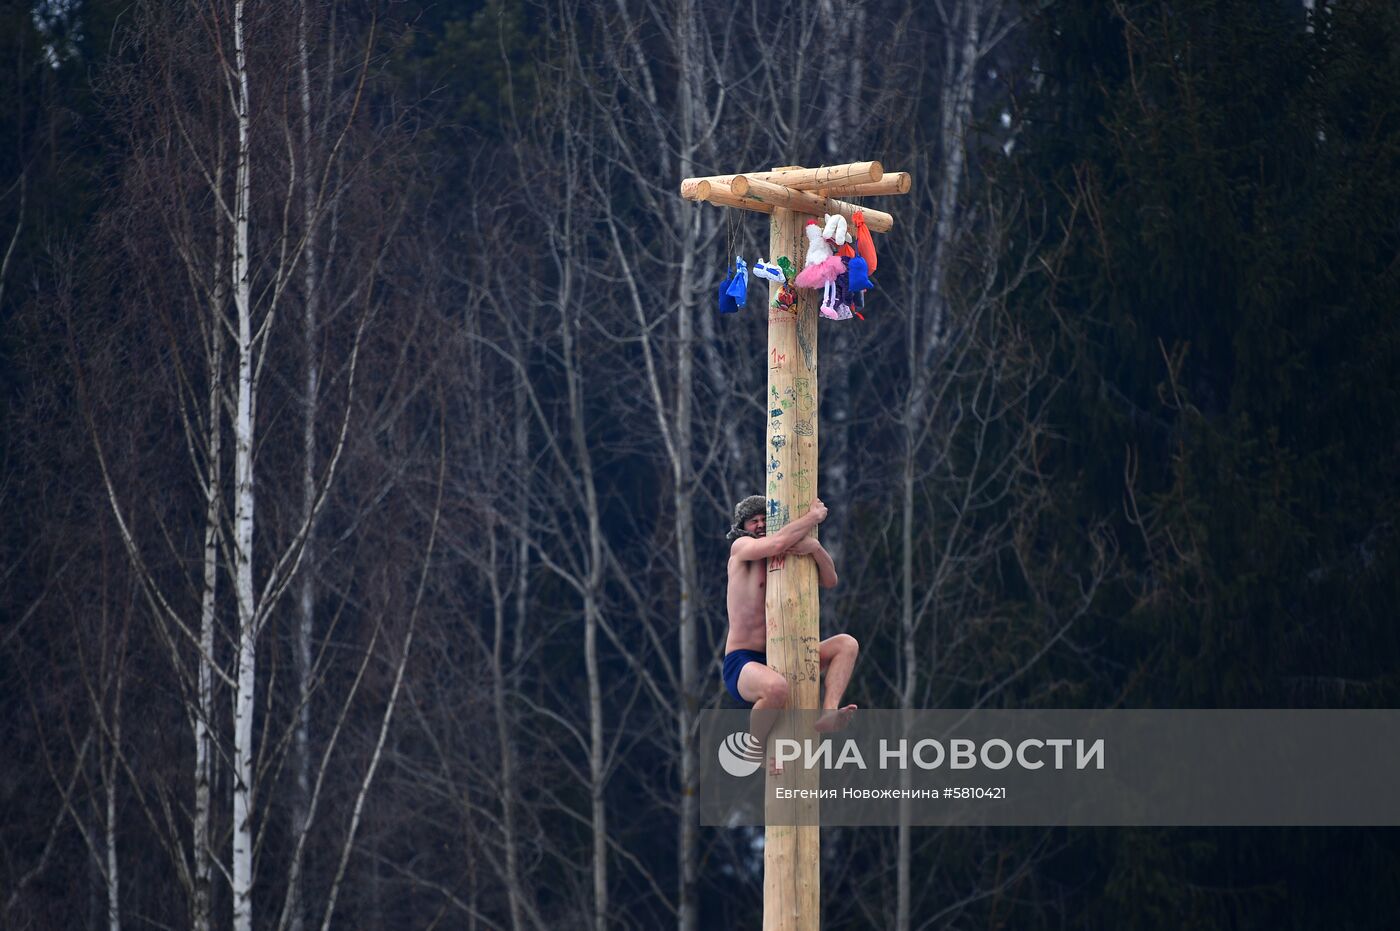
(822, 265)
(835, 229)
(818, 249)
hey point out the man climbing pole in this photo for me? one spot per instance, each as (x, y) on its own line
(789, 195)
(747, 675)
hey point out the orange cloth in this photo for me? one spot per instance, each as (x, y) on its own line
(846, 252)
(864, 244)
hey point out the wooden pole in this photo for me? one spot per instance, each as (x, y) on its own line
(791, 854)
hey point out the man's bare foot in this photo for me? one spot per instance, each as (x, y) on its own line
(834, 719)
(774, 767)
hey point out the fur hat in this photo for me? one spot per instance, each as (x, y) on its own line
(750, 507)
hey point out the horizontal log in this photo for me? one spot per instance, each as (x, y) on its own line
(763, 196)
(721, 196)
(896, 182)
(803, 179)
(695, 189)
(779, 195)
(807, 179)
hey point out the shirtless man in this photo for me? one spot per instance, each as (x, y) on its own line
(747, 675)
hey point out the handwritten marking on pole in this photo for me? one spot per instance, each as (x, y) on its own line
(803, 428)
(778, 359)
(803, 387)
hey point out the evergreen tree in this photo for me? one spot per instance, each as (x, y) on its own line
(1228, 168)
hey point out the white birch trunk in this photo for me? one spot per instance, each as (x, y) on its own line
(598, 806)
(114, 912)
(245, 679)
(200, 918)
(506, 742)
(591, 616)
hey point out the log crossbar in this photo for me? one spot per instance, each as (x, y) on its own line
(803, 190)
(812, 179)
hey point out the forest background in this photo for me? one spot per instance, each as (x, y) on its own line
(369, 440)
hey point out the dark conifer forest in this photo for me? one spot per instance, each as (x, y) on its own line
(369, 437)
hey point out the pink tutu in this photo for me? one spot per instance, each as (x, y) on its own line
(823, 273)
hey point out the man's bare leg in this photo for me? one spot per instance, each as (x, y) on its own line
(838, 658)
(761, 720)
(768, 691)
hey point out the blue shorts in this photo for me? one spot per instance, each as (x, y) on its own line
(734, 663)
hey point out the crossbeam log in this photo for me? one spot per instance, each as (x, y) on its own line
(780, 195)
(840, 179)
(896, 182)
(719, 194)
(811, 179)
(763, 197)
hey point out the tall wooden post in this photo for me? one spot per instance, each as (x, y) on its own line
(791, 854)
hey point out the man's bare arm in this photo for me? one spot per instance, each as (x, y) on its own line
(826, 566)
(747, 548)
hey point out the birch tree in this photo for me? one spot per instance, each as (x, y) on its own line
(207, 181)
